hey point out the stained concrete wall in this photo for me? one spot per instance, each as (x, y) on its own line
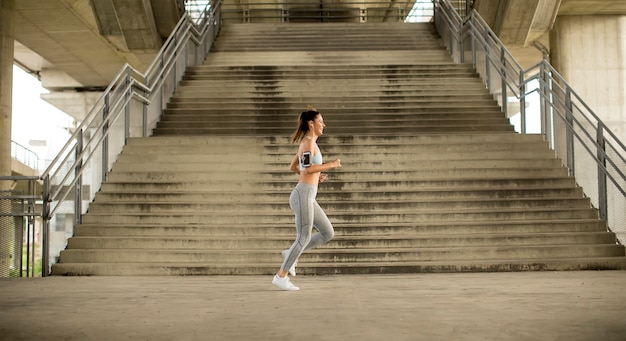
(590, 53)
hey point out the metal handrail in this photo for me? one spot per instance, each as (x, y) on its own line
(560, 105)
(345, 11)
(97, 140)
(28, 157)
(28, 199)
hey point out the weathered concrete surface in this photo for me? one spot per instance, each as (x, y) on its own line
(478, 306)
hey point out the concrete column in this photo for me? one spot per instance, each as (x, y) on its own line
(590, 53)
(7, 29)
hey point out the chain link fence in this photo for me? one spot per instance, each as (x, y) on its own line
(20, 227)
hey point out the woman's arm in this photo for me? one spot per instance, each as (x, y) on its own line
(323, 167)
(295, 165)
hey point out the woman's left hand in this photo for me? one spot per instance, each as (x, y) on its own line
(323, 177)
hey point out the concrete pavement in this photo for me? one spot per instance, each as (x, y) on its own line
(588, 305)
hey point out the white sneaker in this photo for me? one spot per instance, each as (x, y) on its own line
(284, 283)
(292, 270)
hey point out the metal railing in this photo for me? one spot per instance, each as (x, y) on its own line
(327, 11)
(24, 155)
(20, 224)
(129, 107)
(590, 150)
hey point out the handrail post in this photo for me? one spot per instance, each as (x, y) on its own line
(543, 100)
(505, 106)
(461, 42)
(602, 189)
(32, 210)
(175, 67)
(569, 134)
(105, 140)
(144, 119)
(78, 200)
(473, 40)
(162, 88)
(452, 45)
(547, 121)
(45, 233)
(487, 68)
(128, 95)
(522, 103)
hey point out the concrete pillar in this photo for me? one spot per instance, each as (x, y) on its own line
(7, 29)
(590, 53)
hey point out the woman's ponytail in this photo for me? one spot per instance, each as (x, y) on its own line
(303, 124)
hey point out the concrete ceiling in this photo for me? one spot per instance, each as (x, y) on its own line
(82, 44)
(69, 46)
(524, 25)
(590, 7)
(522, 22)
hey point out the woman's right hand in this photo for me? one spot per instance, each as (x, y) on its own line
(336, 163)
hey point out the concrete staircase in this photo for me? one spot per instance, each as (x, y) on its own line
(433, 180)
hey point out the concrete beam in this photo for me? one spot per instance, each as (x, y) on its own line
(519, 22)
(75, 104)
(63, 36)
(543, 20)
(167, 13)
(593, 7)
(130, 20)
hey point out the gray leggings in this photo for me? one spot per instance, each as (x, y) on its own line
(308, 215)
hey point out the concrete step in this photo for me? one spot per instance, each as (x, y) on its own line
(369, 206)
(202, 116)
(263, 195)
(355, 97)
(187, 269)
(388, 151)
(326, 45)
(328, 28)
(388, 229)
(265, 242)
(369, 71)
(433, 180)
(261, 112)
(359, 99)
(338, 255)
(434, 128)
(273, 58)
(335, 38)
(401, 158)
(286, 217)
(458, 82)
(334, 124)
(336, 139)
(409, 73)
(234, 164)
(364, 186)
(340, 176)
